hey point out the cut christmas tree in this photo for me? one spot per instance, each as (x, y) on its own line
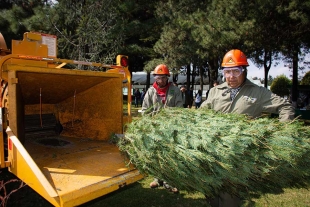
(210, 152)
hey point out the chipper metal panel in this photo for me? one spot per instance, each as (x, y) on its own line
(77, 161)
(57, 123)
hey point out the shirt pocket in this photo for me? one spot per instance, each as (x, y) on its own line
(249, 99)
(247, 104)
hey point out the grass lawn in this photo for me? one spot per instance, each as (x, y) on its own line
(289, 198)
(141, 195)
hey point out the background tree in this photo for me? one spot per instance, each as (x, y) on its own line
(203, 31)
(179, 33)
(176, 44)
(270, 80)
(14, 16)
(88, 30)
(295, 34)
(306, 79)
(142, 29)
(263, 19)
(218, 28)
(281, 86)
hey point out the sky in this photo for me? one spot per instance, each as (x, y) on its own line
(274, 71)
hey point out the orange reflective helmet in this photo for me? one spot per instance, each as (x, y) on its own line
(161, 70)
(234, 58)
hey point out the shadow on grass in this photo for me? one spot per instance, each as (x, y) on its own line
(140, 195)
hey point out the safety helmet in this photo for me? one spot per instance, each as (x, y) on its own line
(234, 58)
(161, 70)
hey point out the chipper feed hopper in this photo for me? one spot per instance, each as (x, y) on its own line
(57, 122)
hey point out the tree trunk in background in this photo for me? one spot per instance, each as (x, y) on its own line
(188, 84)
(213, 70)
(188, 76)
(295, 76)
(267, 65)
(201, 77)
(148, 80)
(175, 78)
(193, 75)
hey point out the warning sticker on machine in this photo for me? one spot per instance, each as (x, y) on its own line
(51, 42)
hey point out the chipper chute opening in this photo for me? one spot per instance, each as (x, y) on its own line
(64, 120)
(58, 123)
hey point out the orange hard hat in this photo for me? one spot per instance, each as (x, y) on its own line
(161, 70)
(234, 58)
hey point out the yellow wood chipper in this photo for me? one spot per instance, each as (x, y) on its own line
(57, 122)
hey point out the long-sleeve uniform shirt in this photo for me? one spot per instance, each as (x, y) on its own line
(153, 102)
(251, 100)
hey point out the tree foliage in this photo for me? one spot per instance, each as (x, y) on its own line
(224, 152)
(142, 29)
(270, 80)
(88, 30)
(14, 16)
(306, 79)
(179, 33)
(281, 86)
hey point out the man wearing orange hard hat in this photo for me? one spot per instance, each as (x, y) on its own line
(239, 95)
(162, 93)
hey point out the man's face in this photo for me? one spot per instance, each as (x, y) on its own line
(183, 89)
(161, 80)
(234, 76)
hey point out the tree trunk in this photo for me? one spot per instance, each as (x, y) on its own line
(213, 70)
(295, 76)
(201, 77)
(175, 77)
(188, 76)
(193, 75)
(267, 65)
(148, 80)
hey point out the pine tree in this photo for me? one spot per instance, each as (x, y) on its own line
(210, 152)
(306, 79)
(87, 30)
(281, 86)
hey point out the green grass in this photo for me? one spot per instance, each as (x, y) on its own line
(289, 198)
(141, 195)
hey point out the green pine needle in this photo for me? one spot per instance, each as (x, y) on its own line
(210, 152)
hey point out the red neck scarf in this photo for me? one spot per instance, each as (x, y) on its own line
(161, 91)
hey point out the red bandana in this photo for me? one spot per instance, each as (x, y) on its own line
(161, 91)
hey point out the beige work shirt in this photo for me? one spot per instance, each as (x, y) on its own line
(251, 100)
(153, 103)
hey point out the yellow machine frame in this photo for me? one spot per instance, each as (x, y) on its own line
(88, 104)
